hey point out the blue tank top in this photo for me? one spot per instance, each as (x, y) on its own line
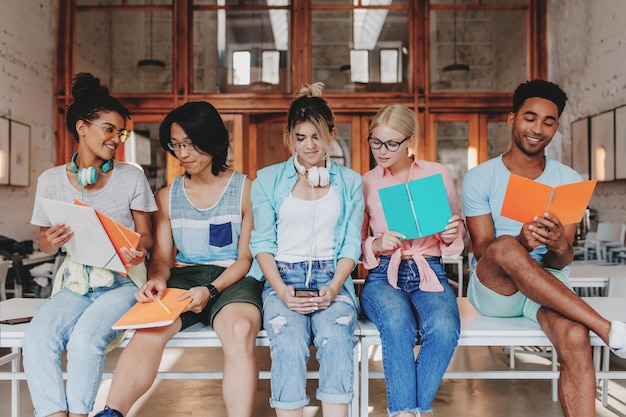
(211, 235)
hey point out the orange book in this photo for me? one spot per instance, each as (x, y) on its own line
(120, 235)
(525, 199)
(97, 239)
(153, 314)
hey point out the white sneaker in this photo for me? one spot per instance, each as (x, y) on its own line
(617, 338)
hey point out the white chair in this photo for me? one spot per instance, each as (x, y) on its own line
(589, 246)
(614, 249)
(4, 270)
(607, 234)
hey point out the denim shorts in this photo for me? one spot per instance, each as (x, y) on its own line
(490, 303)
(247, 290)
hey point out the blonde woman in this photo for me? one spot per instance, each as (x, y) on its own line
(406, 293)
(307, 216)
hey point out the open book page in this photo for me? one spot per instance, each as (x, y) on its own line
(418, 208)
(120, 235)
(90, 244)
(571, 200)
(152, 314)
(525, 199)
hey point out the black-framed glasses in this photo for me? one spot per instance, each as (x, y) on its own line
(176, 147)
(391, 145)
(122, 134)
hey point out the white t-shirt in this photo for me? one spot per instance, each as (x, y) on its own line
(306, 229)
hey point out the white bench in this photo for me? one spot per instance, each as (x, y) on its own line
(476, 330)
(198, 336)
(479, 330)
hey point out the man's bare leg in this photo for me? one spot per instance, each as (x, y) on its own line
(138, 365)
(577, 380)
(237, 326)
(506, 268)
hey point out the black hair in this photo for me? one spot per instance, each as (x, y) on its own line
(542, 89)
(90, 98)
(204, 126)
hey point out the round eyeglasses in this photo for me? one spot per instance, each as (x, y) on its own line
(110, 131)
(391, 145)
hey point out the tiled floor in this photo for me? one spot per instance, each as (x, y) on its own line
(456, 398)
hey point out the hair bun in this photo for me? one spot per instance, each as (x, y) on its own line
(85, 84)
(310, 90)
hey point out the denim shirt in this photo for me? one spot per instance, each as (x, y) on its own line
(274, 183)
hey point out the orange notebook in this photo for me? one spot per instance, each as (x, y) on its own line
(97, 239)
(120, 235)
(152, 314)
(525, 199)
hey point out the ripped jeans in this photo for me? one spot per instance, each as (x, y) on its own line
(290, 333)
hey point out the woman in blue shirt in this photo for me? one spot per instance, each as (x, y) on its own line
(308, 213)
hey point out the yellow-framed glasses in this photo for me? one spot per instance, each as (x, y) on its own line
(122, 134)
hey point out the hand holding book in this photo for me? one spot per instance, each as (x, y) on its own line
(152, 314)
(452, 230)
(97, 239)
(388, 241)
(418, 208)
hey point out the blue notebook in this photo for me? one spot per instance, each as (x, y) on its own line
(417, 208)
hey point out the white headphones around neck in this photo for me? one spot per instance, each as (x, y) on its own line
(316, 176)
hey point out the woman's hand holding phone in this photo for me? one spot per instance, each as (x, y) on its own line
(300, 299)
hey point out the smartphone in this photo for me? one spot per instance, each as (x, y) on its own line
(17, 320)
(307, 292)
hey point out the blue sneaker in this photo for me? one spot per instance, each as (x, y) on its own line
(109, 412)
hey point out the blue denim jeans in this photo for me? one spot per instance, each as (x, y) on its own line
(290, 333)
(404, 317)
(82, 325)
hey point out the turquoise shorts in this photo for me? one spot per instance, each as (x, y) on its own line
(490, 303)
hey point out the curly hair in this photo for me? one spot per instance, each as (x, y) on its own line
(90, 98)
(542, 89)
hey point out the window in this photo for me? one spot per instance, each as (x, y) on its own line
(241, 68)
(103, 48)
(220, 33)
(490, 43)
(270, 66)
(389, 66)
(347, 45)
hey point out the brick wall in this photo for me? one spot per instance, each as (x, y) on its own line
(27, 32)
(587, 44)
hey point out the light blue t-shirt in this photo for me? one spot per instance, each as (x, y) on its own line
(485, 185)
